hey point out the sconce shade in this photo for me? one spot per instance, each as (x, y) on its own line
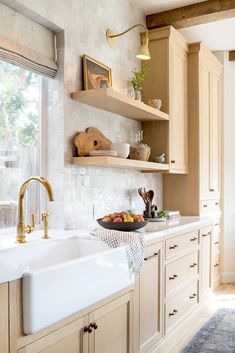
(143, 52)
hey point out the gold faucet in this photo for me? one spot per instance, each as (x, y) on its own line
(21, 227)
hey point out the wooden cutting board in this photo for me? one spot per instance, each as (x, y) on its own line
(89, 140)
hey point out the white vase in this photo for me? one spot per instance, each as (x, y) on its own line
(138, 95)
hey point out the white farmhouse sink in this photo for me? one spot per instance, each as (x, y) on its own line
(64, 276)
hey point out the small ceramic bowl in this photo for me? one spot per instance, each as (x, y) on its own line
(123, 149)
(155, 103)
(159, 159)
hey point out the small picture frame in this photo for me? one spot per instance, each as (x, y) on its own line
(95, 74)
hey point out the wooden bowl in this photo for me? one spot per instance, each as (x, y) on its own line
(122, 226)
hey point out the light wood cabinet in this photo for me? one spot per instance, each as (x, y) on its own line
(113, 327)
(150, 299)
(168, 80)
(199, 192)
(205, 261)
(70, 338)
(4, 325)
(106, 329)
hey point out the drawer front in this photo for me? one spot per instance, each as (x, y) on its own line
(182, 242)
(180, 271)
(210, 205)
(216, 266)
(180, 304)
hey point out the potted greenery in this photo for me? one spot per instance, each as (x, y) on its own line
(137, 81)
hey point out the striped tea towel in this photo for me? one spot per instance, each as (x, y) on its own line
(134, 241)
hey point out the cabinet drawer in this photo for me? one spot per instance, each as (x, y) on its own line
(180, 304)
(179, 271)
(216, 266)
(182, 242)
(210, 205)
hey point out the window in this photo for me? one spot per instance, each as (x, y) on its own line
(20, 121)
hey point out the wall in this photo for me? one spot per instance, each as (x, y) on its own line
(83, 194)
(228, 168)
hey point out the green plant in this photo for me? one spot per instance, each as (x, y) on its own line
(137, 80)
(161, 214)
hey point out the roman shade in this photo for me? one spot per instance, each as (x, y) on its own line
(26, 43)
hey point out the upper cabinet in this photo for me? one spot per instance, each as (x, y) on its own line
(168, 80)
(199, 191)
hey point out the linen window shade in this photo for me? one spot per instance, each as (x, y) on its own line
(26, 43)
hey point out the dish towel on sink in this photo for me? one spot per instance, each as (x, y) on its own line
(134, 241)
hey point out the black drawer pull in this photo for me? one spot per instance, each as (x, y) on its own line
(173, 246)
(216, 242)
(151, 256)
(205, 205)
(174, 312)
(205, 235)
(216, 203)
(193, 265)
(216, 224)
(216, 265)
(173, 277)
(173, 161)
(193, 239)
(193, 296)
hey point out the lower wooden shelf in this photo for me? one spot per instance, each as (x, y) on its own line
(114, 162)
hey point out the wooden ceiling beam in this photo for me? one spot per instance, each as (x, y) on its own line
(232, 55)
(191, 15)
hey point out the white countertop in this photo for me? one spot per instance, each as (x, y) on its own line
(152, 232)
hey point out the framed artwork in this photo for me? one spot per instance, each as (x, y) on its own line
(95, 74)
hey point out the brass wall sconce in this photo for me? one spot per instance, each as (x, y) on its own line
(143, 53)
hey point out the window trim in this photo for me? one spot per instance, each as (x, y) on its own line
(43, 153)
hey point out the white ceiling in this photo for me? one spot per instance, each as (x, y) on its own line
(217, 35)
(152, 6)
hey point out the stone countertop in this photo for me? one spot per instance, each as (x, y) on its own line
(154, 231)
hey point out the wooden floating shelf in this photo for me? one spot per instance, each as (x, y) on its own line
(114, 162)
(114, 102)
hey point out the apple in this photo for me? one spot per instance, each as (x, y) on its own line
(136, 218)
(107, 219)
(117, 219)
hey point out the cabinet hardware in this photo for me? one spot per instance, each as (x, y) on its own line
(216, 203)
(173, 277)
(216, 242)
(216, 265)
(193, 239)
(193, 296)
(151, 256)
(173, 246)
(172, 161)
(193, 265)
(174, 312)
(87, 329)
(212, 190)
(216, 224)
(205, 205)
(205, 235)
(94, 325)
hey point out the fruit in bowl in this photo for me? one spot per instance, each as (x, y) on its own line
(122, 221)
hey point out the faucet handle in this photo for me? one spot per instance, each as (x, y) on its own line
(45, 216)
(30, 229)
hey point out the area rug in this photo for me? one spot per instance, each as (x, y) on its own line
(216, 336)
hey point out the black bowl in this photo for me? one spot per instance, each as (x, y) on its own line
(122, 226)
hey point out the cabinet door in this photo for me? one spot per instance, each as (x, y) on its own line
(214, 177)
(4, 348)
(150, 298)
(209, 131)
(205, 260)
(204, 87)
(178, 110)
(113, 332)
(70, 338)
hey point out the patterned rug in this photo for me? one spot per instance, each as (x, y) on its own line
(217, 336)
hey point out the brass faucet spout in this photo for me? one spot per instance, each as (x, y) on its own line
(21, 227)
